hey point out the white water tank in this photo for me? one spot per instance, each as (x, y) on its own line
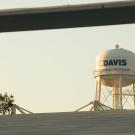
(111, 64)
(118, 58)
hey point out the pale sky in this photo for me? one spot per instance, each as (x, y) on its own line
(52, 70)
(39, 3)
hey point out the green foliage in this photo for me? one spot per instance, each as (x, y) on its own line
(6, 103)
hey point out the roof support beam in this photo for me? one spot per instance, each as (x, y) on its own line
(66, 17)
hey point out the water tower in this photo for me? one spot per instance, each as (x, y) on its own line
(115, 78)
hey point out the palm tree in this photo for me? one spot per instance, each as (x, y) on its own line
(6, 103)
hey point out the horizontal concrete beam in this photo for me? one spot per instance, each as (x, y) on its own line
(68, 16)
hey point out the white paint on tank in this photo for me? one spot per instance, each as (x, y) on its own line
(117, 58)
(115, 68)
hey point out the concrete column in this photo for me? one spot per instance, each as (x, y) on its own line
(98, 89)
(117, 94)
(134, 93)
(120, 90)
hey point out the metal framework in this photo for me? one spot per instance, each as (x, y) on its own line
(68, 16)
(20, 109)
(128, 96)
(95, 106)
(116, 87)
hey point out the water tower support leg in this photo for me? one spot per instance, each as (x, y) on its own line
(13, 109)
(117, 94)
(134, 93)
(98, 89)
(120, 89)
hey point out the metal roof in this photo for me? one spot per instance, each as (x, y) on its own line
(70, 123)
(67, 16)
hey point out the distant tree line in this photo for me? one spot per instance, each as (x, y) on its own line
(6, 103)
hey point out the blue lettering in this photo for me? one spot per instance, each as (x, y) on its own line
(124, 62)
(119, 62)
(115, 62)
(105, 62)
(110, 63)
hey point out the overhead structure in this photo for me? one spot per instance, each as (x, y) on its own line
(21, 110)
(67, 16)
(115, 78)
